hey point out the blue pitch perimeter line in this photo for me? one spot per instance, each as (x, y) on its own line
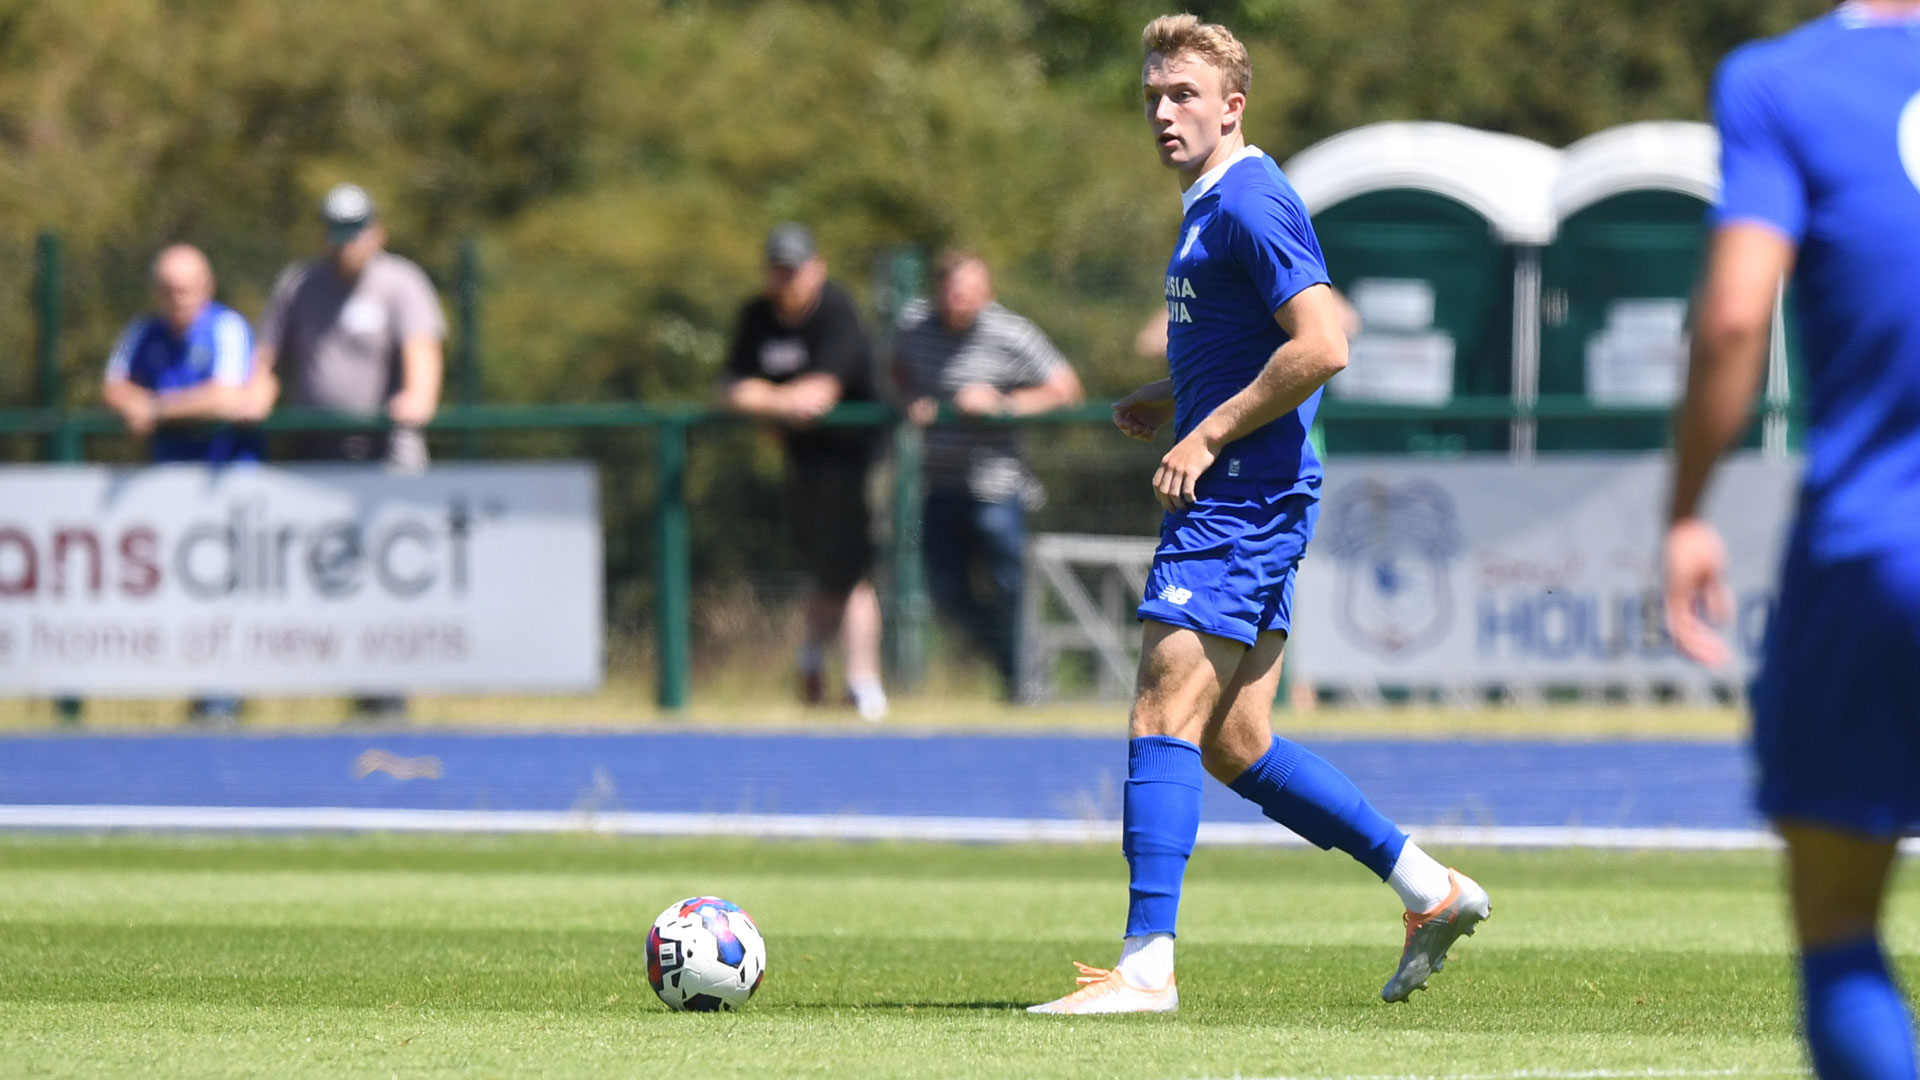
(932, 779)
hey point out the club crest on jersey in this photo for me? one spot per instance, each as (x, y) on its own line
(1179, 291)
(1393, 547)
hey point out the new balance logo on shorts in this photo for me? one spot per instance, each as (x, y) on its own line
(1174, 594)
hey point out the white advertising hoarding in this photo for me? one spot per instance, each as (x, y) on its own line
(310, 579)
(1462, 573)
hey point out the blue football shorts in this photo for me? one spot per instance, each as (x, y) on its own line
(1226, 564)
(1836, 704)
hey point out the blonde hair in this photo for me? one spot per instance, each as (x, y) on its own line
(1186, 35)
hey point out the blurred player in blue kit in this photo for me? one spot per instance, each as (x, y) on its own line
(1254, 332)
(1820, 145)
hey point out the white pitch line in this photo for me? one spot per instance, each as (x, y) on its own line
(1552, 1075)
(815, 826)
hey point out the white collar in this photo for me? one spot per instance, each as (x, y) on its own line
(1212, 176)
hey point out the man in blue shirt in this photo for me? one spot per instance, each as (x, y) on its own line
(180, 376)
(1254, 332)
(1820, 175)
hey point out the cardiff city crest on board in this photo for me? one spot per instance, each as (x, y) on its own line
(1393, 546)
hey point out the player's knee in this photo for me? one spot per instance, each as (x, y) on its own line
(1226, 757)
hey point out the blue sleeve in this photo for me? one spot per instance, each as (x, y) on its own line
(1271, 238)
(1759, 179)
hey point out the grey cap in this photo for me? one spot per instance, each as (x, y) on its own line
(789, 245)
(347, 209)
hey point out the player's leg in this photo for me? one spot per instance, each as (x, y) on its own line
(1856, 1018)
(947, 550)
(1180, 678)
(860, 630)
(824, 607)
(1304, 792)
(846, 564)
(1002, 530)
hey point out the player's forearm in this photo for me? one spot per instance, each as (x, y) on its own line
(1048, 396)
(127, 399)
(757, 398)
(422, 369)
(208, 401)
(1722, 383)
(1290, 377)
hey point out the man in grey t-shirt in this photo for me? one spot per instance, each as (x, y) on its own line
(966, 351)
(358, 330)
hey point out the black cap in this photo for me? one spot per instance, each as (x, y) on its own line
(347, 209)
(789, 245)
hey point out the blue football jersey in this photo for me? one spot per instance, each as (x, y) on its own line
(1820, 139)
(1246, 247)
(218, 347)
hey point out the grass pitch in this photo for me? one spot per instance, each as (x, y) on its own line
(491, 957)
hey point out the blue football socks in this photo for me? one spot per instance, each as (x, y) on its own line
(1857, 1026)
(1299, 789)
(1162, 817)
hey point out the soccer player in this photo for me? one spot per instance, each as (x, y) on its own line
(1254, 332)
(1820, 162)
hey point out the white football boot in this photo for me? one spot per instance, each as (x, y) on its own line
(1103, 991)
(1431, 933)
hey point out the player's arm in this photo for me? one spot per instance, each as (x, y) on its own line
(1315, 351)
(799, 401)
(1761, 215)
(1045, 382)
(1145, 411)
(1733, 315)
(422, 370)
(1061, 389)
(133, 402)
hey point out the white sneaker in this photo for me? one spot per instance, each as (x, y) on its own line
(870, 702)
(1431, 933)
(1103, 991)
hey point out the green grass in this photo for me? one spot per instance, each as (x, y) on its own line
(482, 957)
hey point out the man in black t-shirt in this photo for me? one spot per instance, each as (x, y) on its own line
(798, 351)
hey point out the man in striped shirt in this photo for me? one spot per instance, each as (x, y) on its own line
(967, 352)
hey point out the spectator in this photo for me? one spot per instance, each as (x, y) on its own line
(179, 377)
(358, 330)
(798, 351)
(967, 351)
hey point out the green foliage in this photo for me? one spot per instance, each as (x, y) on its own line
(621, 158)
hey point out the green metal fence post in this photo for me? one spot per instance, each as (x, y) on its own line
(468, 298)
(46, 343)
(673, 573)
(63, 442)
(910, 608)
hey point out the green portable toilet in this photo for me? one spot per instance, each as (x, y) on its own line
(1422, 224)
(1616, 282)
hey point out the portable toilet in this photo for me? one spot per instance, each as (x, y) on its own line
(1616, 283)
(1421, 223)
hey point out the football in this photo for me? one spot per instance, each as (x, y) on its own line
(705, 955)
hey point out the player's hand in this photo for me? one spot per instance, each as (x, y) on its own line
(141, 414)
(1698, 598)
(256, 399)
(1143, 412)
(808, 398)
(979, 399)
(410, 408)
(923, 411)
(1179, 471)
